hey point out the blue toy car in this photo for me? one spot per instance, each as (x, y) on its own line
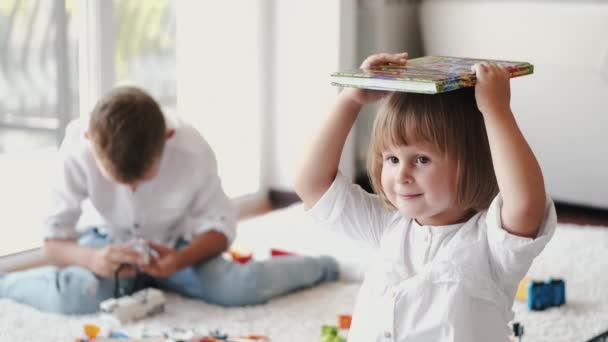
(542, 295)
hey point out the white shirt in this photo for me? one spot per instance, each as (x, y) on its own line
(431, 283)
(184, 199)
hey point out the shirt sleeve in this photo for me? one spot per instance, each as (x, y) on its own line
(211, 209)
(67, 194)
(348, 209)
(512, 255)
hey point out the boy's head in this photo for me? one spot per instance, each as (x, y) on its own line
(128, 132)
(429, 154)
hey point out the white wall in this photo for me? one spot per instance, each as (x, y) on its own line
(563, 108)
(270, 60)
(218, 82)
(313, 39)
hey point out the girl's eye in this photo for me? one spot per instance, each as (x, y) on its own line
(422, 160)
(392, 159)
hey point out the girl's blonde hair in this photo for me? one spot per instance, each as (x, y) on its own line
(450, 121)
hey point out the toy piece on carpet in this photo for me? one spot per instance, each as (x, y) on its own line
(518, 332)
(141, 304)
(542, 295)
(339, 333)
(174, 335)
(240, 255)
(276, 252)
(243, 256)
(145, 250)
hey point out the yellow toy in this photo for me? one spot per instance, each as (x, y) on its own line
(91, 331)
(522, 290)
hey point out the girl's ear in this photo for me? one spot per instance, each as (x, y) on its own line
(170, 134)
(86, 135)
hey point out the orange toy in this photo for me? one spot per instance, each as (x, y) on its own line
(344, 321)
(242, 257)
(91, 331)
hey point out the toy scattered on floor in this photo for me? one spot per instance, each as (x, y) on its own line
(344, 321)
(243, 256)
(541, 295)
(518, 331)
(339, 333)
(522, 290)
(329, 333)
(173, 335)
(145, 250)
(141, 304)
(91, 331)
(275, 252)
(240, 256)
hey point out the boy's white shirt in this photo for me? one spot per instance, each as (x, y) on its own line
(431, 283)
(183, 200)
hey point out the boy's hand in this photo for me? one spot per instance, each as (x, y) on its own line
(365, 96)
(164, 265)
(492, 91)
(108, 259)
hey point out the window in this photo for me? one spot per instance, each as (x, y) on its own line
(38, 97)
(59, 56)
(145, 47)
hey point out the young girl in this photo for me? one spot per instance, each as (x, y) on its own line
(460, 214)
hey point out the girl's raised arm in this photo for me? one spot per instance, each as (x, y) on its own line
(319, 167)
(518, 173)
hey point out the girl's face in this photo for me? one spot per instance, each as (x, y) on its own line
(421, 183)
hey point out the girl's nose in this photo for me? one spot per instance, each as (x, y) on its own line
(405, 175)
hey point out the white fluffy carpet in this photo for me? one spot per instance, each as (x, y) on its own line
(577, 254)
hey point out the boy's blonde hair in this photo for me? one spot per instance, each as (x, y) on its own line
(450, 121)
(128, 131)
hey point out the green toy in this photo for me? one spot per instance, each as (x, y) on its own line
(329, 333)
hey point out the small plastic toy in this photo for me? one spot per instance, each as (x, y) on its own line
(518, 331)
(174, 335)
(275, 252)
(344, 321)
(242, 257)
(522, 290)
(136, 306)
(91, 331)
(145, 250)
(542, 295)
(329, 333)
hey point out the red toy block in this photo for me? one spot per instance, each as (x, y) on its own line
(240, 257)
(275, 252)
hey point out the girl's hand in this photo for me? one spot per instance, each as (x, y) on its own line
(365, 96)
(164, 265)
(492, 91)
(108, 259)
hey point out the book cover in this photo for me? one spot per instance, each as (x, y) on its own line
(429, 74)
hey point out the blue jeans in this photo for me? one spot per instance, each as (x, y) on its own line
(77, 290)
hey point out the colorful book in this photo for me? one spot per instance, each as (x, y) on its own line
(428, 75)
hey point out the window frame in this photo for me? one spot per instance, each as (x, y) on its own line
(97, 76)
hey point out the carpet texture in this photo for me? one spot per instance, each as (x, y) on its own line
(577, 254)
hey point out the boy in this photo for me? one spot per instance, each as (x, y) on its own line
(155, 181)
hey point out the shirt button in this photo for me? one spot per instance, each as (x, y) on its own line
(387, 334)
